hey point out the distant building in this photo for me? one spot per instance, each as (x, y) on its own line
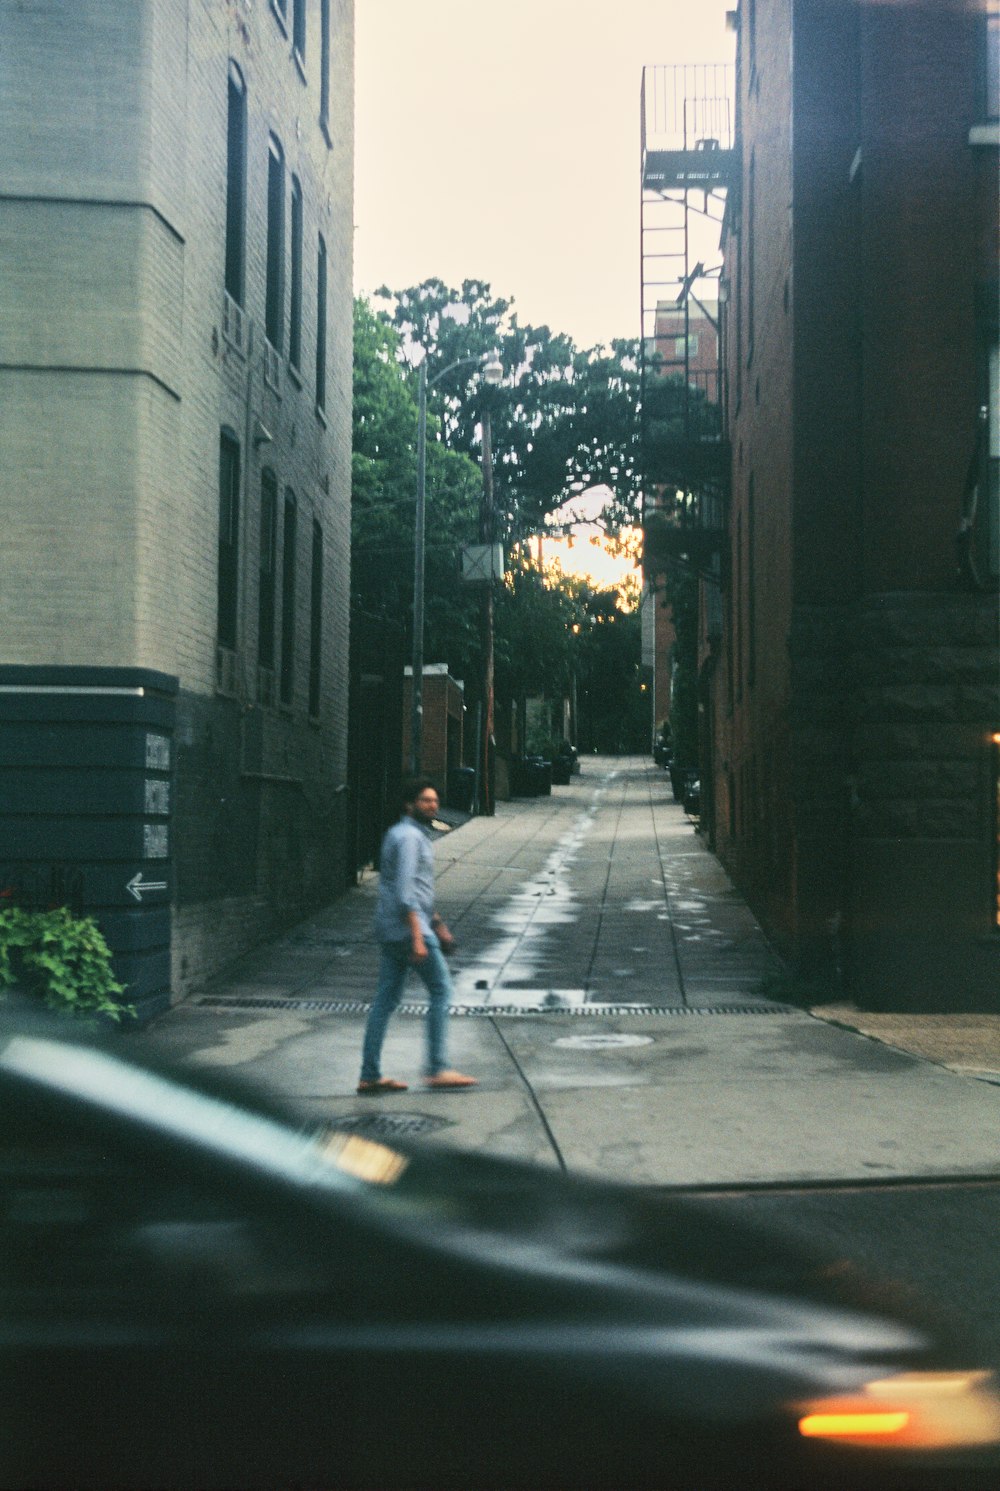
(443, 728)
(175, 374)
(852, 688)
(686, 344)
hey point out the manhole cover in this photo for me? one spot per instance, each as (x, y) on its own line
(390, 1125)
(602, 1042)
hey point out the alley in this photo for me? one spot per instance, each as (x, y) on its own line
(608, 998)
(599, 895)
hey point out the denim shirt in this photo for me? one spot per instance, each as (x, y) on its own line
(406, 881)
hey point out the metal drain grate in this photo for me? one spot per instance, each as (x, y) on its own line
(390, 1125)
(485, 1011)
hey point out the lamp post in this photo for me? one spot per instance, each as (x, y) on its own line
(487, 534)
(492, 374)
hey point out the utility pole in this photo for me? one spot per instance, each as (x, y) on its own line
(487, 534)
(492, 374)
(417, 680)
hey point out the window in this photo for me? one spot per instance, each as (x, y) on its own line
(321, 325)
(691, 342)
(295, 288)
(738, 606)
(996, 828)
(324, 68)
(751, 229)
(991, 483)
(993, 63)
(752, 40)
(738, 319)
(751, 585)
(299, 28)
(288, 540)
(229, 538)
(315, 619)
(236, 186)
(268, 565)
(275, 286)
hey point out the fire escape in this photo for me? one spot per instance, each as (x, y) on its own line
(687, 166)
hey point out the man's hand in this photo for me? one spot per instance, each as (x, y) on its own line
(442, 934)
(418, 947)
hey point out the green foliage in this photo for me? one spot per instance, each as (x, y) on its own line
(61, 959)
(534, 620)
(563, 420)
(614, 710)
(383, 506)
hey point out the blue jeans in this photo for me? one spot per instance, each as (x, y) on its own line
(393, 968)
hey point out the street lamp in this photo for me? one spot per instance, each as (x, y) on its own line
(492, 374)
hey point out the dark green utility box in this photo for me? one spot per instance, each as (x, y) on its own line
(86, 786)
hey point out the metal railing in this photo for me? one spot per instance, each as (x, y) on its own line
(687, 106)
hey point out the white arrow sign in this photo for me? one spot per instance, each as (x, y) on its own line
(137, 885)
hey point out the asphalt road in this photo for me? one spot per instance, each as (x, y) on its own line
(933, 1247)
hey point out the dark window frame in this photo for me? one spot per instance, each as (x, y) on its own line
(324, 69)
(236, 185)
(738, 596)
(267, 568)
(315, 619)
(321, 315)
(991, 67)
(751, 255)
(295, 277)
(751, 583)
(289, 557)
(274, 286)
(228, 562)
(299, 29)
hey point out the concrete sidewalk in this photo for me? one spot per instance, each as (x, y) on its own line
(606, 998)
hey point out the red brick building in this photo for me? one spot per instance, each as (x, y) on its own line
(851, 689)
(443, 701)
(686, 344)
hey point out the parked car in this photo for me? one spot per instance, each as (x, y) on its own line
(197, 1291)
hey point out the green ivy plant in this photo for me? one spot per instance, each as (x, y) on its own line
(61, 959)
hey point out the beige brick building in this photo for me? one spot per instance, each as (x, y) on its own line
(175, 381)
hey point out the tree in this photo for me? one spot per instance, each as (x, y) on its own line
(383, 501)
(536, 615)
(613, 703)
(563, 419)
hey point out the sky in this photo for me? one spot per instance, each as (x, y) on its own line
(499, 140)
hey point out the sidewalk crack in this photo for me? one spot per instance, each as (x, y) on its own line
(519, 1069)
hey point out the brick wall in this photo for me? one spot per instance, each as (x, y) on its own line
(857, 681)
(751, 822)
(442, 732)
(117, 382)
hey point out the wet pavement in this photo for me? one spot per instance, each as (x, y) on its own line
(607, 997)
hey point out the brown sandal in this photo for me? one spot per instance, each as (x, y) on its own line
(381, 1084)
(450, 1079)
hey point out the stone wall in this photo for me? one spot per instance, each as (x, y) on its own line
(921, 903)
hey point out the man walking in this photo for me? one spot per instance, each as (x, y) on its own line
(410, 933)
